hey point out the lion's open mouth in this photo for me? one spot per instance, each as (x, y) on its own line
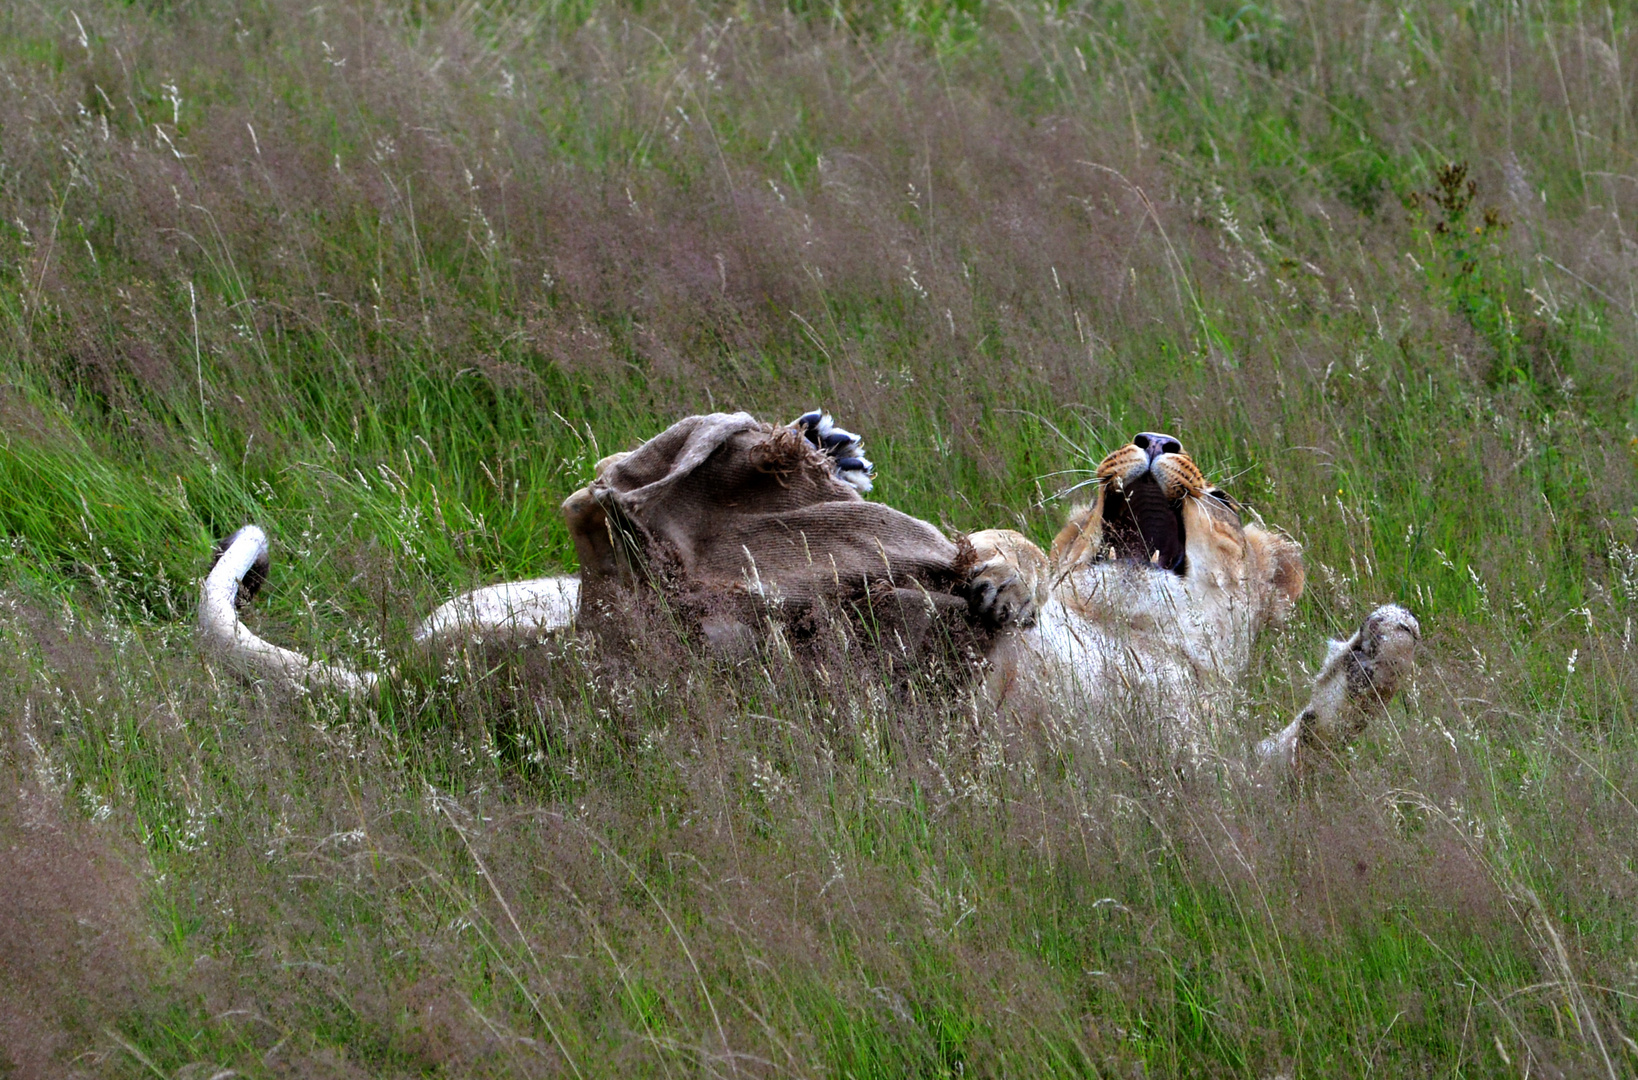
(1141, 525)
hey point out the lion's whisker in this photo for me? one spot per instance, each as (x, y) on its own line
(1073, 488)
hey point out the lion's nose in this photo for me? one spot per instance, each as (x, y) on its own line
(1155, 443)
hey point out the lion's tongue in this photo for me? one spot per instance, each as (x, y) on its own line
(1143, 521)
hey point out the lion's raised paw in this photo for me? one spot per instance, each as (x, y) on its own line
(844, 449)
(1359, 678)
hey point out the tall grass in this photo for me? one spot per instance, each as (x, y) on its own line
(389, 278)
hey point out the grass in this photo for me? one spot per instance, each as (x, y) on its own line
(387, 279)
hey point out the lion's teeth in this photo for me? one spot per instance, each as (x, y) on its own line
(1155, 558)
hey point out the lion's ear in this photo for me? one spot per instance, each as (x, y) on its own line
(1277, 560)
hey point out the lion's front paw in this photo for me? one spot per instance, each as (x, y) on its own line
(1008, 586)
(1360, 676)
(999, 594)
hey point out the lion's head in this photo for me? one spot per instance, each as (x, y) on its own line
(1163, 562)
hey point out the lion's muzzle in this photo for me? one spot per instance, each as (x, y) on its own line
(1145, 483)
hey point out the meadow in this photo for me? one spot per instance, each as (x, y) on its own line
(387, 277)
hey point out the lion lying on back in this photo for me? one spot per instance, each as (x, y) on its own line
(1147, 605)
(1152, 597)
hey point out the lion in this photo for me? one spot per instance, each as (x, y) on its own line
(1153, 595)
(1148, 602)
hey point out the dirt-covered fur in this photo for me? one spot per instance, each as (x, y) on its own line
(1149, 604)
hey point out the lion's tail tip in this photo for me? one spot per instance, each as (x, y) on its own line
(243, 558)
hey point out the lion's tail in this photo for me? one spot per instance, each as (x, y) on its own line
(239, 571)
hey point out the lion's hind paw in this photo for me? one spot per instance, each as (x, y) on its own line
(843, 447)
(1359, 678)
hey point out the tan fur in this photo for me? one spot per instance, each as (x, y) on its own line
(1081, 536)
(1016, 568)
(1105, 633)
(1256, 571)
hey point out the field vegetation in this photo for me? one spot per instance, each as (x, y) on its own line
(388, 277)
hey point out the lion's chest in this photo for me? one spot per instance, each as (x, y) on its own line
(1111, 639)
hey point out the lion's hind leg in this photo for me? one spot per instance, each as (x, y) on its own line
(516, 610)
(1360, 676)
(844, 449)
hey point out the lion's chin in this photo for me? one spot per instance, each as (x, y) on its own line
(1142, 527)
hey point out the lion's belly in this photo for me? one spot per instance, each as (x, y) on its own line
(1122, 681)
